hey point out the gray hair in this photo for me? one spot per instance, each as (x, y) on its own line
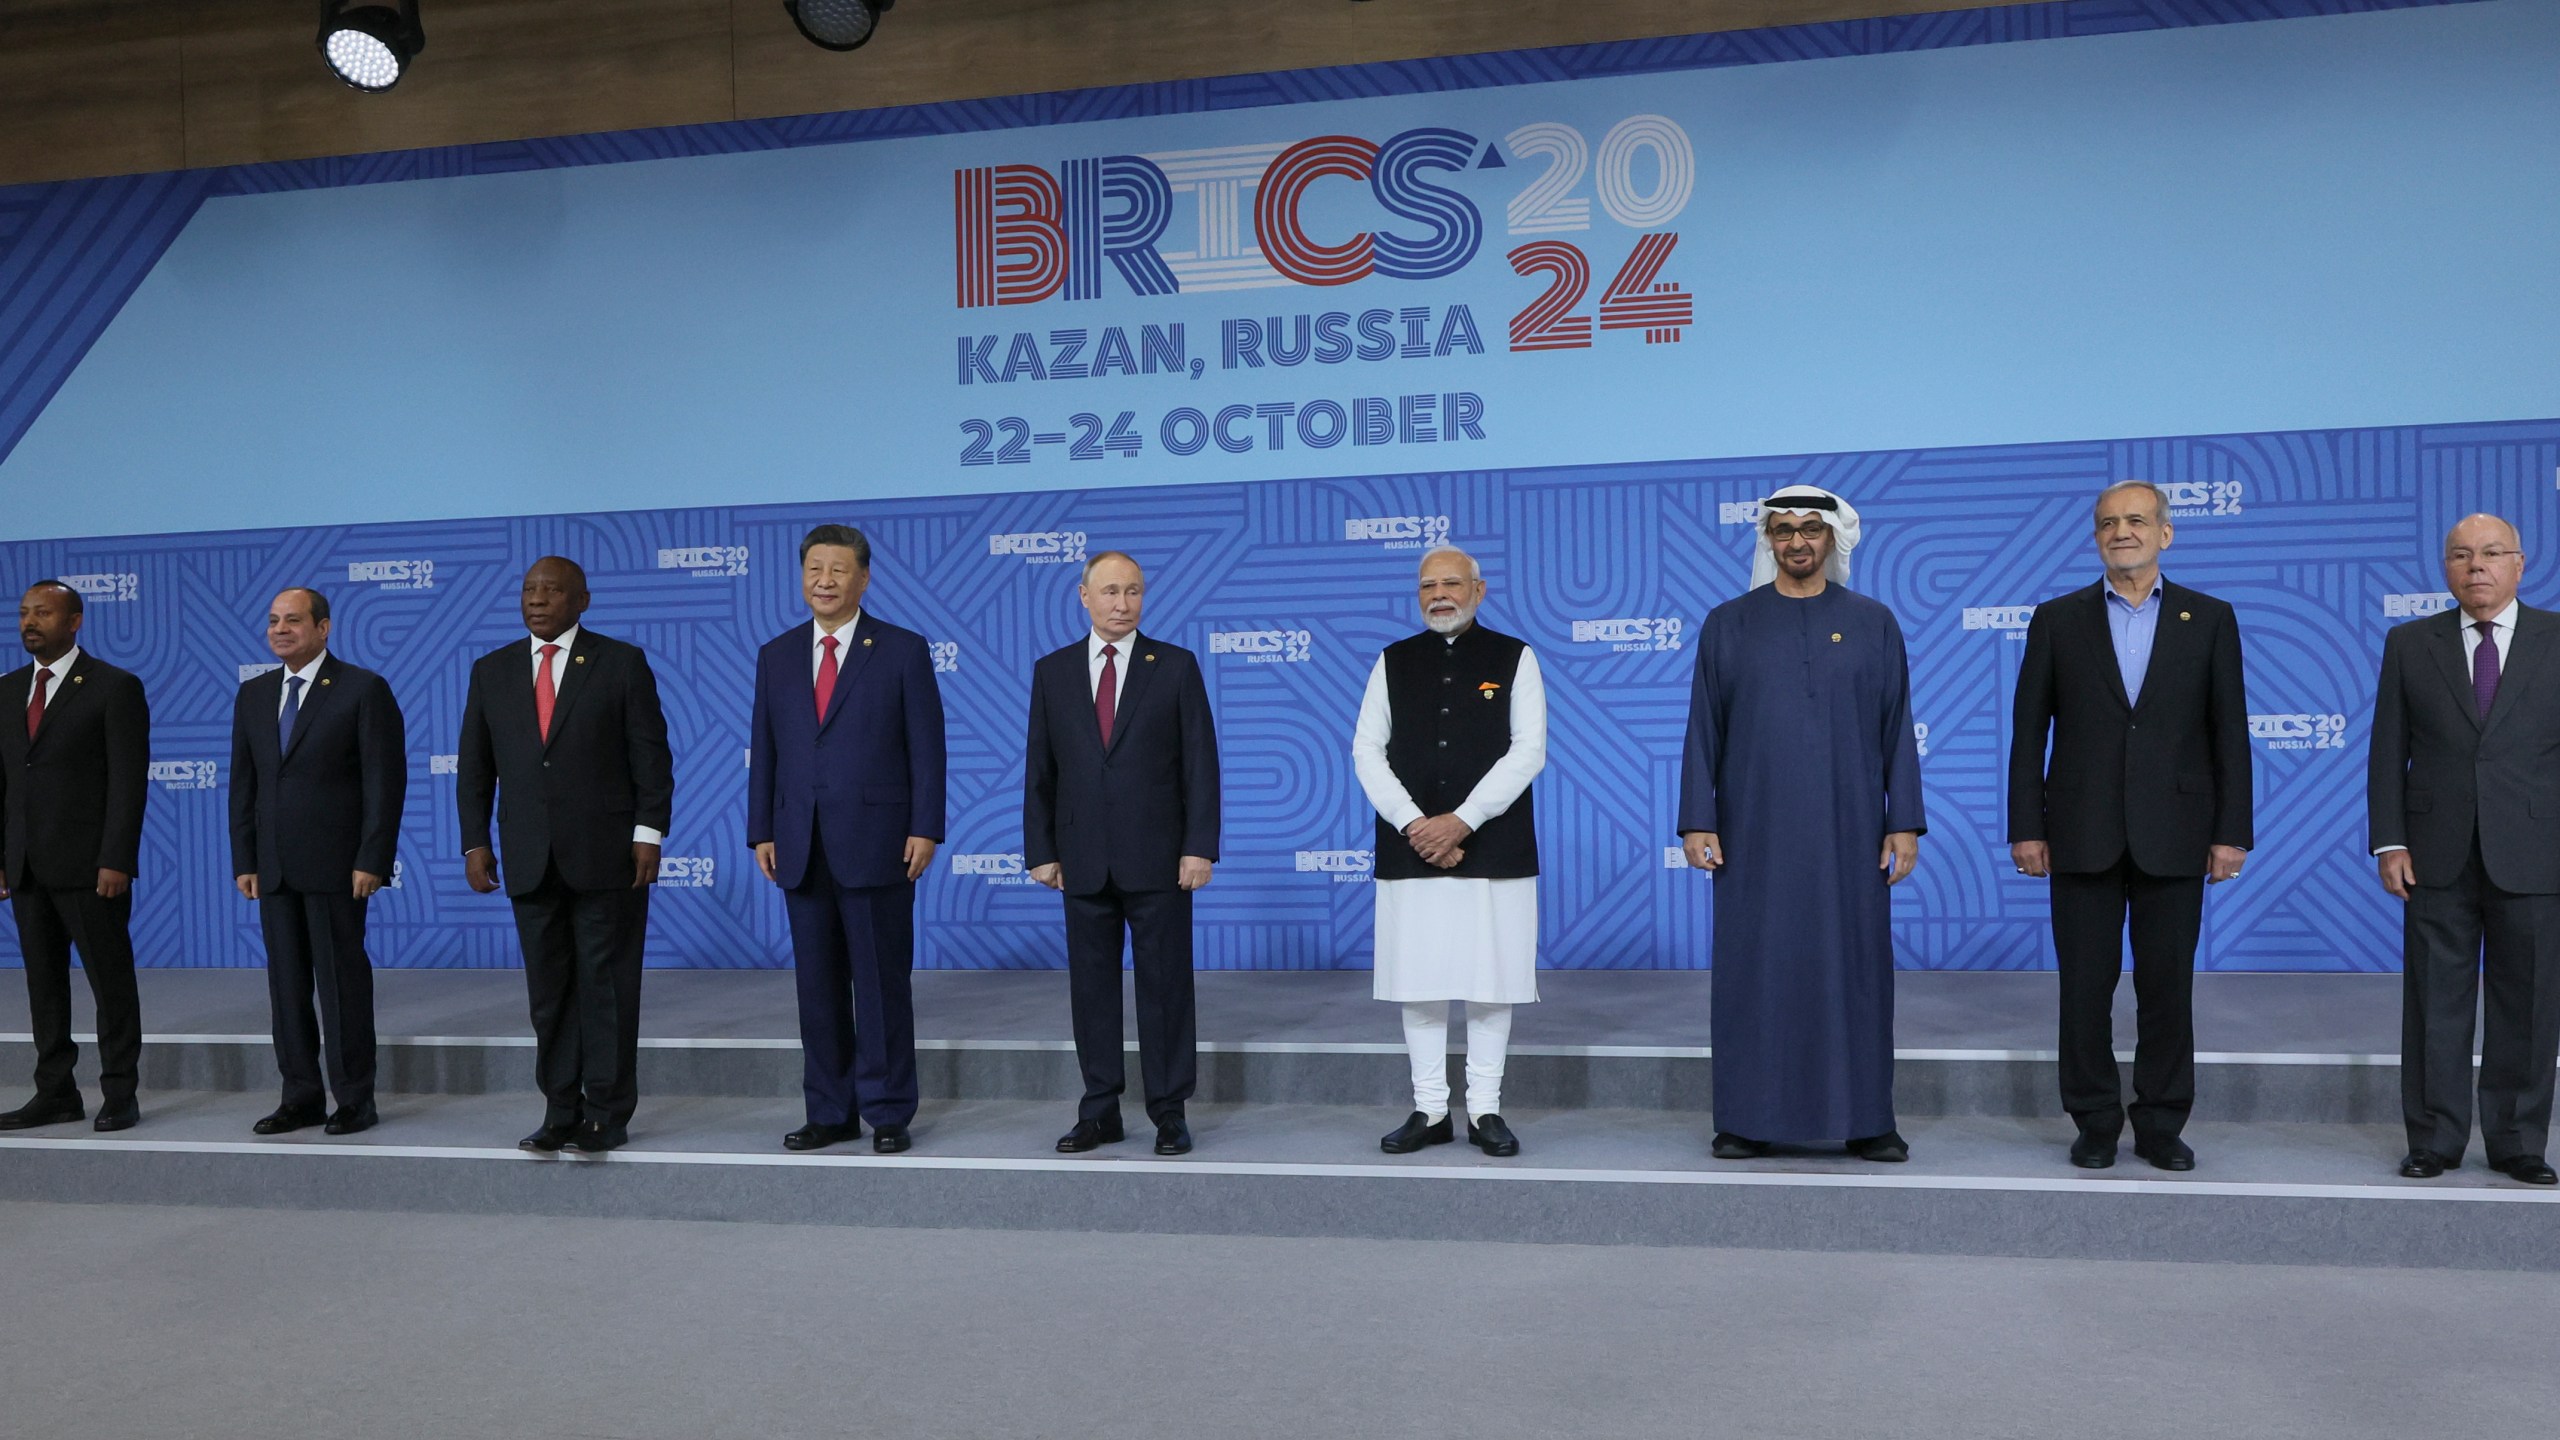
(2159, 497)
(1085, 576)
(844, 535)
(1474, 570)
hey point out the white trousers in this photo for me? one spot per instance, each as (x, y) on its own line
(1426, 1042)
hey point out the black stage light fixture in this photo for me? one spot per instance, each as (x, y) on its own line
(837, 24)
(370, 46)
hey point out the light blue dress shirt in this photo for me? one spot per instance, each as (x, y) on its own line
(2133, 627)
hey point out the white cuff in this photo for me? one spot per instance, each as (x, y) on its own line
(643, 835)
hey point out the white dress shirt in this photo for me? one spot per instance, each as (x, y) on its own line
(2502, 626)
(1093, 644)
(818, 632)
(60, 670)
(308, 675)
(566, 640)
(1500, 786)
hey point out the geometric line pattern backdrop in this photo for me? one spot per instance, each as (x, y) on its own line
(1287, 589)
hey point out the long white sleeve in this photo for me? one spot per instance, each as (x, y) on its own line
(1369, 754)
(1510, 776)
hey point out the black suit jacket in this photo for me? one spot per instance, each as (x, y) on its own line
(71, 797)
(2438, 774)
(574, 800)
(1125, 815)
(309, 815)
(2162, 779)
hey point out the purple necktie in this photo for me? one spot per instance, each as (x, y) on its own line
(2484, 667)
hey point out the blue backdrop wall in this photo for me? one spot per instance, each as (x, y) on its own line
(1272, 333)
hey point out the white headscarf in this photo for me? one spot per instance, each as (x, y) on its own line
(1830, 509)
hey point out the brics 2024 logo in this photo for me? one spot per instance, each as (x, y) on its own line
(1658, 632)
(995, 869)
(185, 774)
(2416, 605)
(1400, 532)
(108, 588)
(688, 872)
(2010, 620)
(2300, 732)
(1345, 866)
(393, 574)
(1041, 547)
(1265, 647)
(704, 559)
(946, 655)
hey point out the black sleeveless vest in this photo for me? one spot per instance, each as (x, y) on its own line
(1449, 706)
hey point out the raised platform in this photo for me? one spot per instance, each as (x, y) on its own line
(1608, 1087)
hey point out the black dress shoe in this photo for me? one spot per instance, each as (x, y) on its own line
(2167, 1152)
(351, 1119)
(594, 1137)
(43, 1112)
(1090, 1134)
(1488, 1134)
(117, 1117)
(1888, 1148)
(814, 1136)
(2094, 1151)
(548, 1139)
(2528, 1168)
(1173, 1137)
(889, 1139)
(1417, 1131)
(287, 1118)
(2421, 1165)
(1729, 1146)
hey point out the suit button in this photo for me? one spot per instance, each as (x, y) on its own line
(1445, 679)
(546, 764)
(1444, 744)
(1444, 709)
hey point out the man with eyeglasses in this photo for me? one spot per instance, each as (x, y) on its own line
(1801, 758)
(2143, 802)
(2463, 806)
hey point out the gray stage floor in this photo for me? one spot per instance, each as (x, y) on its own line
(165, 1322)
(2235, 1013)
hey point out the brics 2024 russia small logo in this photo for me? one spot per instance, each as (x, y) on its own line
(2300, 732)
(1400, 532)
(2417, 605)
(185, 774)
(1264, 647)
(1041, 547)
(444, 764)
(946, 655)
(1626, 633)
(1737, 512)
(105, 588)
(2189, 499)
(2009, 620)
(393, 574)
(704, 559)
(995, 869)
(687, 872)
(1345, 866)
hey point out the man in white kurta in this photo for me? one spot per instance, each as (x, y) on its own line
(1452, 730)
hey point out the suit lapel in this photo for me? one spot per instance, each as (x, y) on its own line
(856, 659)
(2173, 629)
(2098, 633)
(2445, 643)
(63, 695)
(313, 695)
(1137, 667)
(2526, 654)
(573, 683)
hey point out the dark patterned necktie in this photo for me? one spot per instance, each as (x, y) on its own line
(2484, 667)
(1106, 698)
(292, 711)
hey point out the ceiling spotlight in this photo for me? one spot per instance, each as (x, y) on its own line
(370, 46)
(837, 24)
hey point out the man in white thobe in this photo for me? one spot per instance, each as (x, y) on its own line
(1452, 730)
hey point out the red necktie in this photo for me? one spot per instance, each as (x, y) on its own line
(543, 694)
(35, 706)
(1106, 697)
(826, 674)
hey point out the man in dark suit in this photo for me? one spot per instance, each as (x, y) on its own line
(72, 783)
(2463, 807)
(844, 808)
(566, 727)
(2145, 801)
(1120, 811)
(318, 775)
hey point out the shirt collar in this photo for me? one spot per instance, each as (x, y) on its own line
(62, 666)
(567, 641)
(1093, 643)
(818, 629)
(2157, 581)
(307, 671)
(2504, 619)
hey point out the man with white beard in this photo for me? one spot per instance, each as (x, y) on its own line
(1452, 730)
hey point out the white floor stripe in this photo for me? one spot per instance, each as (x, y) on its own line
(1551, 1175)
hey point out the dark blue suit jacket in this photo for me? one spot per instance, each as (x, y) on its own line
(869, 776)
(307, 816)
(1125, 815)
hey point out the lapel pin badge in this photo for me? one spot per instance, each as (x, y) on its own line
(581, 659)
(324, 681)
(2183, 615)
(1151, 657)
(866, 642)
(79, 679)
(1835, 637)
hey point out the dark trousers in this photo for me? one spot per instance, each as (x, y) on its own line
(582, 972)
(1158, 926)
(50, 923)
(854, 948)
(317, 942)
(2093, 915)
(2451, 936)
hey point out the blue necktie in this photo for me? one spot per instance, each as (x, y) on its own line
(292, 710)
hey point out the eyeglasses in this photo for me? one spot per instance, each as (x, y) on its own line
(1811, 529)
(2491, 556)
